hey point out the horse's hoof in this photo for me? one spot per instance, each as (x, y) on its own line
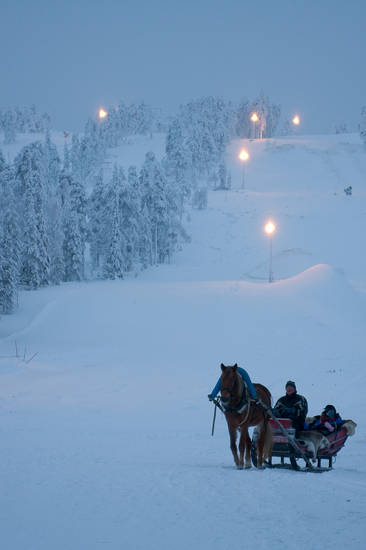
(248, 466)
(239, 467)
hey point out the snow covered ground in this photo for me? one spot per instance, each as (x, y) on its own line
(106, 432)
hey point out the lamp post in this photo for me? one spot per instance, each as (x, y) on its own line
(244, 156)
(270, 228)
(102, 114)
(254, 118)
(296, 123)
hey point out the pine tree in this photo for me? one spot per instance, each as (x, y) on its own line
(113, 266)
(30, 178)
(242, 122)
(72, 248)
(97, 222)
(52, 163)
(72, 200)
(113, 263)
(2, 161)
(30, 275)
(78, 205)
(222, 176)
(178, 159)
(9, 128)
(67, 160)
(9, 258)
(56, 239)
(134, 219)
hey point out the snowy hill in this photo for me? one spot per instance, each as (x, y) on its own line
(106, 431)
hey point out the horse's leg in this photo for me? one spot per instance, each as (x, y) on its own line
(242, 442)
(248, 444)
(234, 450)
(260, 445)
(244, 448)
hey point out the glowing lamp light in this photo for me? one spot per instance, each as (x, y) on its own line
(244, 155)
(296, 120)
(102, 113)
(269, 228)
(254, 117)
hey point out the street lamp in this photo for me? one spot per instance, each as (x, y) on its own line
(102, 114)
(254, 118)
(244, 156)
(296, 120)
(270, 228)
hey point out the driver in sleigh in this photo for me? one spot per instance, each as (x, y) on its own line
(293, 406)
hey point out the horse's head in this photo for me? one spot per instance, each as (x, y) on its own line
(229, 383)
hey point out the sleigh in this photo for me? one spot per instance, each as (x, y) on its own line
(310, 446)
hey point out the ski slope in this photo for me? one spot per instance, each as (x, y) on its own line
(106, 431)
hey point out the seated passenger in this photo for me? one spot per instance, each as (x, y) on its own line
(293, 406)
(327, 422)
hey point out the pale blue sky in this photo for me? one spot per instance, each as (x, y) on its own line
(69, 57)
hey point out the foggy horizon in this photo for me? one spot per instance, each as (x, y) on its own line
(70, 58)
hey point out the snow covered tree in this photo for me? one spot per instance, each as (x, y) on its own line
(200, 198)
(153, 199)
(30, 177)
(67, 160)
(9, 128)
(52, 163)
(178, 159)
(97, 221)
(132, 219)
(113, 265)
(8, 272)
(242, 121)
(2, 161)
(222, 177)
(9, 242)
(268, 115)
(273, 118)
(287, 128)
(78, 204)
(113, 262)
(31, 270)
(73, 249)
(159, 202)
(72, 199)
(56, 239)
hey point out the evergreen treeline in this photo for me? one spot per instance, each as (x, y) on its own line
(123, 121)
(50, 231)
(22, 120)
(197, 138)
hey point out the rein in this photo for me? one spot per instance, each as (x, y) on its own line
(248, 411)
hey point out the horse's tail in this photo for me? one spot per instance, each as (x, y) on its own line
(268, 441)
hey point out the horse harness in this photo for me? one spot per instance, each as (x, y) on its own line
(245, 400)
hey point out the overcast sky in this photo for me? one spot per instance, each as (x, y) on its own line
(69, 57)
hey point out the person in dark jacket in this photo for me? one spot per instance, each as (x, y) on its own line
(327, 422)
(293, 406)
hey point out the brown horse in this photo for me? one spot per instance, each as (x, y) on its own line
(239, 418)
